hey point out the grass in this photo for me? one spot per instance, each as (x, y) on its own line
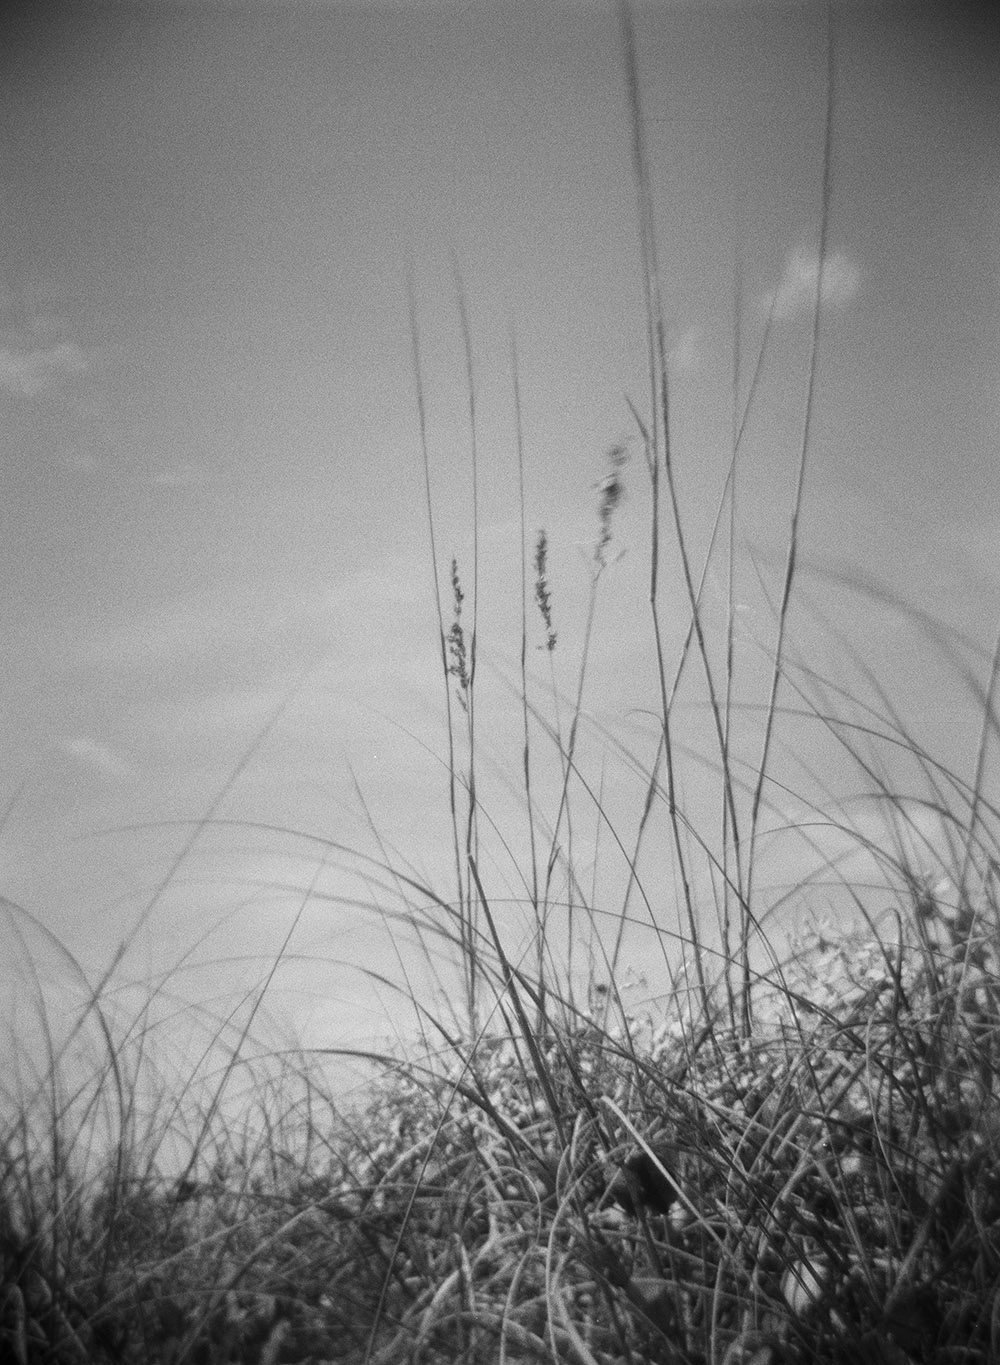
(788, 1152)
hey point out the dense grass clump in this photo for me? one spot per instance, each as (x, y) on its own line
(660, 1189)
(759, 1148)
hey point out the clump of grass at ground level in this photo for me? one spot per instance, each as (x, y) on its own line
(660, 1189)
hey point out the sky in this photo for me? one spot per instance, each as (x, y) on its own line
(218, 595)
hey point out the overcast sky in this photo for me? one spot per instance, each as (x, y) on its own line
(209, 440)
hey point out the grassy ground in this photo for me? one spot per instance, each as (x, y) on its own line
(791, 1155)
(582, 1188)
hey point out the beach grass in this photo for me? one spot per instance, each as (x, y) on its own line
(758, 1145)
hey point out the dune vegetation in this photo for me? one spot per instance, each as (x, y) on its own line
(766, 1147)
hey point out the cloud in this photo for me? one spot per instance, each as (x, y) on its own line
(175, 633)
(361, 615)
(29, 371)
(99, 756)
(686, 350)
(182, 476)
(71, 457)
(242, 709)
(796, 292)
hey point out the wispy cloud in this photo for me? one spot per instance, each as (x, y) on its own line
(39, 348)
(101, 757)
(795, 295)
(77, 461)
(686, 350)
(31, 370)
(175, 633)
(187, 475)
(362, 616)
(242, 709)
